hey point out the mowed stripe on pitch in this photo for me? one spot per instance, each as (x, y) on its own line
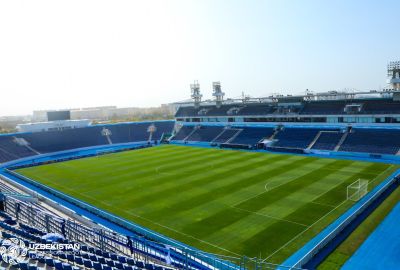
(186, 192)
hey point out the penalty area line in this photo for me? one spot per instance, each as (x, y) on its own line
(166, 227)
(269, 216)
(301, 233)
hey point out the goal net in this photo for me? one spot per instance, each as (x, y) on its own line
(357, 190)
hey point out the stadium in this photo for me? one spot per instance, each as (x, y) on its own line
(278, 182)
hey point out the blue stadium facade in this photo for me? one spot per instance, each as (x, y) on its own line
(346, 125)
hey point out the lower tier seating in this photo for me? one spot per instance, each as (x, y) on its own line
(205, 134)
(296, 137)
(379, 141)
(252, 135)
(53, 141)
(328, 140)
(227, 134)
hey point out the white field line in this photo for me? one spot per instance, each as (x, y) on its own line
(283, 183)
(179, 232)
(391, 165)
(323, 204)
(269, 216)
(156, 223)
(309, 227)
(166, 227)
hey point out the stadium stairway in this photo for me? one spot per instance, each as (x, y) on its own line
(341, 141)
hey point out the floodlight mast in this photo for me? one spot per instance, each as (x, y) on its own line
(196, 95)
(218, 94)
(393, 74)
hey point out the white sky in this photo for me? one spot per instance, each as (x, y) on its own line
(66, 54)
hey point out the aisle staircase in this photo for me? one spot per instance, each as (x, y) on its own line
(344, 136)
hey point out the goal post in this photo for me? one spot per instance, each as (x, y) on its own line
(357, 190)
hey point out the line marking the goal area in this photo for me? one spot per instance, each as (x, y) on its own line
(301, 233)
(376, 177)
(269, 216)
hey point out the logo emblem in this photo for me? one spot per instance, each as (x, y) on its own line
(13, 251)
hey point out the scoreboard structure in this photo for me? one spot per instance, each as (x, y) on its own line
(58, 115)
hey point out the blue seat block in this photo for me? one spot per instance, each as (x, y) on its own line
(66, 266)
(23, 265)
(58, 265)
(87, 263)
(149, 266)
(119, 265)
(130, 261)
(122, 259)
(32, 267)
(97, 266)
(70, 257)
(79, 260)
(110, 263)
(49, 261)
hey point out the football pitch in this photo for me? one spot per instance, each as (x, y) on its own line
(222, 201)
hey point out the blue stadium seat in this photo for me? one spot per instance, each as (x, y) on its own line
(130, 261)
(58, 265)
(97, 266)
(79, 260)
(23, 265)
(119, 265)
(32, 267)
(122, 259)
(87, 263)
(66, 266)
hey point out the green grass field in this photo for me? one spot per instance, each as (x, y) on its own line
(222, 201)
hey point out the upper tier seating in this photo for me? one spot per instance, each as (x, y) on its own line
(380, 106)
(205, 134)
(379, 141)
(295, 137)
(324, 107)
(252, 135)
(256, 109)
(328, 140)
